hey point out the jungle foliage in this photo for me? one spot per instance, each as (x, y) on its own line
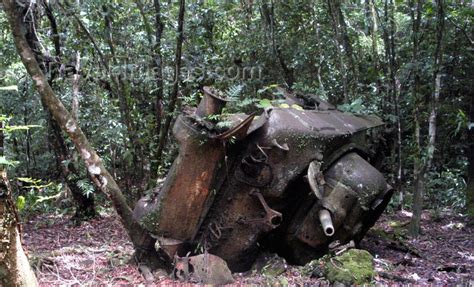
(124, 69)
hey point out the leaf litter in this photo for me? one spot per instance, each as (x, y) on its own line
(98, 252)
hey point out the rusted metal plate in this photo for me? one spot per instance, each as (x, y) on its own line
(190, 186)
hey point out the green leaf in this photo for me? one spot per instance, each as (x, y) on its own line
(5, 161)
(19, 128)
(264, 103)
(29, 180)
(9, 88)
(46, 198)
(20, 202)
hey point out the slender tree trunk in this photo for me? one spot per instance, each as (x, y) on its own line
(158, 64)
(470, 180)
(332, 11)
(321, 60)
(425, 163)
(389, 29)
(158, 67)
(27, 139)
(84, 204)
(343, 49)
(395, 83)
(268, 13)
(175, 89)
(375, 56)
(122, 88)
(75, 88)
(2, 137)
(415, 13)
(143, 242)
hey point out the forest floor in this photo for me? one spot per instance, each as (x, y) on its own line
(98, 252)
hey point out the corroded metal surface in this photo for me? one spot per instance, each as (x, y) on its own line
(290, 179)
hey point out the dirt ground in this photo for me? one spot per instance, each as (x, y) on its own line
(98, 252)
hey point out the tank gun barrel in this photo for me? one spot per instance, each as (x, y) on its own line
(326, 222)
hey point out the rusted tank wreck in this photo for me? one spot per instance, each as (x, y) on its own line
(291, 180)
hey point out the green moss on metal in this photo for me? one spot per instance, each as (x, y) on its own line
(151, 219)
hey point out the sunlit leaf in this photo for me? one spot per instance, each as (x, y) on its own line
(264, 103)
(9, 88)
(5, 161)
(28, 180)
(20, 202)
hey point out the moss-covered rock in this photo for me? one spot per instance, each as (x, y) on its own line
(274, 266)
(353, 267)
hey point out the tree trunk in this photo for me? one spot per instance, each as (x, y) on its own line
(158, 61)
(143, 242)
(2, 137)
(395, 83)
(122, 90)
(389, 29)
(15, 269)
(343, 50)
(119, 88)
(157, 64)
(84, 204)
(175, 89)
(268, 15)
(414, 227)
(470, 180)
(27, 139)
(430, 148)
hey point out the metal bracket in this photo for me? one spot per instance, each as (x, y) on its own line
(272, 218)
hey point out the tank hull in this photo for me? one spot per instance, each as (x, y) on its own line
(290, 179)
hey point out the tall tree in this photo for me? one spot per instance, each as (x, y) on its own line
(268, 15)
(119, 87)
(50, 66)
(156, 64)
(343, 49)
(470, 183)
(389, 29)
(123, 92)
(423, 163)
(173, 97)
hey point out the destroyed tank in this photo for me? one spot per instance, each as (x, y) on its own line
(294, 180)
